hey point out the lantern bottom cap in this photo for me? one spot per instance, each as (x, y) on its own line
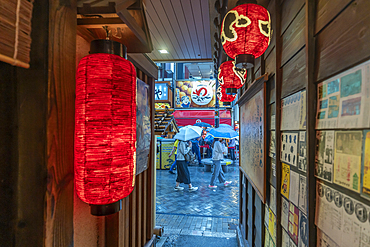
(226, 103)
(106, 209)
(231, 91)
(244, 61)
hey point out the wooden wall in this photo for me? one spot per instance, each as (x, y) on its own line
(23, 101)
(313, 40)
(38, 206)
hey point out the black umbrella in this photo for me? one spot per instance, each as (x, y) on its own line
(202, 124)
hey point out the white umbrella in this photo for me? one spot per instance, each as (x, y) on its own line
(188, 132)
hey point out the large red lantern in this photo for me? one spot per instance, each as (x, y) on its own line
(105, 127)
(224, 97)
(230, 77)
(246, 33)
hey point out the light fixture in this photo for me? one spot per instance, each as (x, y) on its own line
(230, 77)
(163, 51)
(105, 127)
(246, 33)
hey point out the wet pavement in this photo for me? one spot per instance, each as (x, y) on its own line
(186, 216)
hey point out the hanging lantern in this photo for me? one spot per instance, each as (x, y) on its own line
(223, 97)
(230, 77)
(105, 127)
(246, 33)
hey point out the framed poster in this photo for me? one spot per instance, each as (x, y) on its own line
(143, 126)
(253, 136)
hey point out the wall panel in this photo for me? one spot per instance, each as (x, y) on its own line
(345, 41)
(294, 74)
(326, 10)
(270, 63)
(289, 10)
(293, 38)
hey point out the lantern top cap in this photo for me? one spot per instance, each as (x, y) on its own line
(108, 46)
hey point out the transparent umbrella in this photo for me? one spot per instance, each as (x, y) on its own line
(188, 132)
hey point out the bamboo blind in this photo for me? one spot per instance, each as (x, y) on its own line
(15, 31)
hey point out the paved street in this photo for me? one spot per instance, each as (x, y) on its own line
(207, 212)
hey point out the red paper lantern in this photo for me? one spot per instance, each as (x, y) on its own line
(230, 77)
(246, 33)
(105, 128)
(224, 97)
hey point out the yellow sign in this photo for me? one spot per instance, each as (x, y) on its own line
(166, 162)
(285, 180)
(272, 225)
(366, 172)
(162, 105)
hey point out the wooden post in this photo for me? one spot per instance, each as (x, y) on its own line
(60, 122)
(278, 86)
(311, 118)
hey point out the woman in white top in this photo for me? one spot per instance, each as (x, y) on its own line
(183, 175)
(217, 156)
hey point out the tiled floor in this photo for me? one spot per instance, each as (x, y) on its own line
(222, 201)
(206, 212)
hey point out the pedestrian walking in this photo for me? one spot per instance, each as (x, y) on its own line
(196, 149)
(183, 174)
(232, 145)
(217, 155)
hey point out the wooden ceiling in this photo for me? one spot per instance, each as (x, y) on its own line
(182, 27)
(187, 29)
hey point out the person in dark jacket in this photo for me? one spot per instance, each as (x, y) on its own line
(196, 149)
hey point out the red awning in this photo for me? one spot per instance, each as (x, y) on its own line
(190, 117)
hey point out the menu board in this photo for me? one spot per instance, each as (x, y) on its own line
(252, 142)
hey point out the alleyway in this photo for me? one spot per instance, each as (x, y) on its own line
(206, 217)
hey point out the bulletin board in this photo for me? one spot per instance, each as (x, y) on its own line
(342, 158)
(253, 137)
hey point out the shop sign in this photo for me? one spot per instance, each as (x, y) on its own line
(202, 93)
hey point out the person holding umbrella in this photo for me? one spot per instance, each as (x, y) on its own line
(217, 156)
(184, 136)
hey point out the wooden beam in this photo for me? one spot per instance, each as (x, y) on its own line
(124, 4)
(144, 63)
(86, 9)
(86, 34)
(100, 22)
(130, 21)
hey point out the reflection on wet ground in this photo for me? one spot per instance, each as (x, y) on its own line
(222, 201)
(186, 216)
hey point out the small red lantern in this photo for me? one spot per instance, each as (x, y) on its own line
(246, 33)
(105, 127)
(223, 97)
(230, 77)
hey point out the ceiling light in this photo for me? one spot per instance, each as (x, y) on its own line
(163, 51)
